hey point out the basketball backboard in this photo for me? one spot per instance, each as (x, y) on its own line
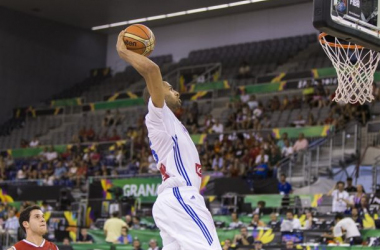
(356, 21)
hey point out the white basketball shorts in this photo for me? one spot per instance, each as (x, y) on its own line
(184, 221)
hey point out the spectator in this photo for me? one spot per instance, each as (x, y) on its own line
(217, 127)
(244, 71)
(349, 188)
(46, 207)
(309, 222)
(274, 160)
(84, 237)
(108, 119)
(260, 207)
(227, 245)
(281, 142)
(112, 228)
(217, 163)
(340, 198)
(24, 143)
(274, 222)
(66, 244)
(12, 224)
(290, 223)
(153, 245)
(364, 206)
(284, 187)
(244, 97)
(301, 143)
(311, 120)
(118, 118)
(347, 225)
(243, 239)
(136, 245)
(261, 170)
(256, 222)
(235, 222)
(194, 112)
(356, 218)
(128, 220)
(289, 245)
(258, 245)
(252, 103)
(125, 238)
(262, 157)
(287, 150)
(34, 143)
(136, 222)
(356, 199)
(90, 134)
(52, 154)
(285, 103)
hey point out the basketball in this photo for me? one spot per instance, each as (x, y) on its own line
(139, 39)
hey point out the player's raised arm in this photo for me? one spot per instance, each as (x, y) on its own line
(146, 68)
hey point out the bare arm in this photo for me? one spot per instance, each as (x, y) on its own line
(146, 68)
(331, 191)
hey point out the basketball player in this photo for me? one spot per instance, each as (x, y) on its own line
(179, 211)
(33, 223)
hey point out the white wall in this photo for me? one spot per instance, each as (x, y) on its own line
(180, 39)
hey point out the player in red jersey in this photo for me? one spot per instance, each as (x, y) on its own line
(33, 223)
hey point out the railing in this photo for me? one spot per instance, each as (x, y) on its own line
(376, 174)
(324, 154)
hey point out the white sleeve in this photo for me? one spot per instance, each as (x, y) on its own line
(158, 120)
(333, 194)
(337, 230)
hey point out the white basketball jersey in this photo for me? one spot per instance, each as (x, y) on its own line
(172, 147)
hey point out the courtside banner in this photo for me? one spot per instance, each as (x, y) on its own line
(144, 189)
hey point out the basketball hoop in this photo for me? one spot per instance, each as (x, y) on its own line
(355, 67)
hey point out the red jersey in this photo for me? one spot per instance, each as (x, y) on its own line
(27, 245)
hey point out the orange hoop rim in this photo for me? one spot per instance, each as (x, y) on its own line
(341, 46)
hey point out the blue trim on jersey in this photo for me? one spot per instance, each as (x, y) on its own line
(178, 161)
(193, 215)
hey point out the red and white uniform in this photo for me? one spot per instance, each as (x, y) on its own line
(27, 245)
(179, 211)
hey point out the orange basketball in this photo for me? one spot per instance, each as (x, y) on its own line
(140, 39)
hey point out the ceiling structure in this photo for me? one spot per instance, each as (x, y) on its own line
(89, 13)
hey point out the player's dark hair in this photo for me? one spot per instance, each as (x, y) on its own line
(146, 95)
(25, 215)
(339, 216)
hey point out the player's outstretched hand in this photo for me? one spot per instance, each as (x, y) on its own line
(120, 45)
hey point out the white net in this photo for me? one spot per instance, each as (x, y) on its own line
(355, 67)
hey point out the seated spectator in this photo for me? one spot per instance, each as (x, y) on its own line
(235, 222)
(24, 143)
(46, 207)
(356, 218)
(244, 71)
(290, 223)
(191, 121)
(34, 143)
(136, 222)
(82, 134)
(275, 104)
(301, 143)
(357, 197)
(274, 160)
(262, 157)
(274, 222)
(243, 239)
(217, 163)
(310, 120)
(284, 187)
(217, 127)
(347, 227)
(66, 244)
(340, 198)
(51, 155)
(295, 103)
(299, 122)
(227, 245)
(281, 142)
(136, 245)
(153, 245)
(349, 188)
(364, 206)
(114, 136)
(290, 245)
(244, 97)
(309, 222)
(259, 208)
(118, 118)
(84, 237)
(125, 238)
(129, 221)
(90, 134)
(257, 112)
(285, 103)
(253, 103)
(108, 119)
(194, 111)
(256, 222)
